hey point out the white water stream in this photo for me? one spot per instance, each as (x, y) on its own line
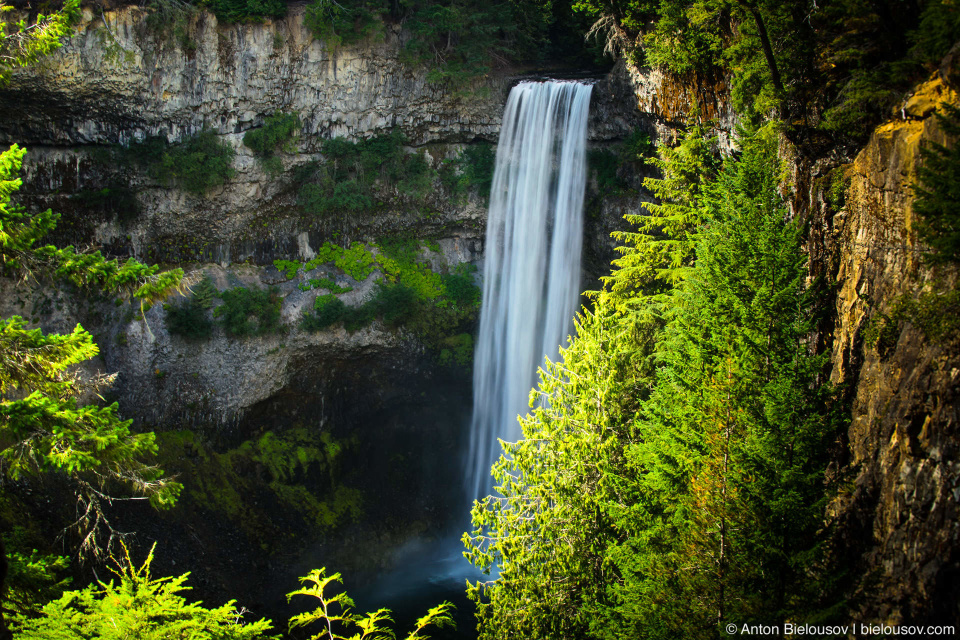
(532, 266)
(530, 292)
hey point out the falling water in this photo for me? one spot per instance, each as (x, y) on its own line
(532, 266)
(530, 292)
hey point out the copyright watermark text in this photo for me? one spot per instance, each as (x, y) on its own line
(845, 630)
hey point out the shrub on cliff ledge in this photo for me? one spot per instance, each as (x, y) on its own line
(196, 165)
(277, 134)
(358, 176)
(249, 312)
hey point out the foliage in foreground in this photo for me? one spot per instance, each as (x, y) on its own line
(45, 427)
(33, 578)
(371, 625)
(135, 604)
(659, 501)
(138, 605)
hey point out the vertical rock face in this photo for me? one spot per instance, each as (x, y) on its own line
(898, 518)
(669, 101)
(126, 76)
(123, 76)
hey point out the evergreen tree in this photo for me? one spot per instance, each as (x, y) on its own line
(44, 427)
(334, 614)
(658, 508)
(22, 43)
(138, 605)
(660, 252)
(545, 534)
(731, 446)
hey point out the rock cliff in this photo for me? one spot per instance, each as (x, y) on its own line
(904, 437)
(895, 540)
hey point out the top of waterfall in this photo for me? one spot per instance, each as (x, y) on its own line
(589, 80)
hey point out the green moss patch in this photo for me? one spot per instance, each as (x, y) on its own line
(275, 478)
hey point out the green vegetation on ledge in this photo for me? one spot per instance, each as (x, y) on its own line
(434, 306)
(278, 133)
(249, 311)
(295, 471)
(244, 312)
(198, 164)
(361, 175)
(471, 170)
(380, 173)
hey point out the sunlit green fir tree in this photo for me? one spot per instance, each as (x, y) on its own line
(660, 508)
(138, 605)
(44, 425)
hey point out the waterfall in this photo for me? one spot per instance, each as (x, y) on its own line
(532, 266)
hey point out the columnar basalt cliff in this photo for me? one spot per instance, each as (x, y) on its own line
(391, 404)
(118, 81)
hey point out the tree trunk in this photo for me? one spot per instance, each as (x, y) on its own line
(754, 11)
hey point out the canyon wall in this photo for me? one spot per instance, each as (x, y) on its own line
(893, 523)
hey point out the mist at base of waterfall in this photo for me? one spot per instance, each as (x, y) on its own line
(531, 276)
(424, 572)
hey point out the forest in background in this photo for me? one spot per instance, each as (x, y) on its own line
(676, 476)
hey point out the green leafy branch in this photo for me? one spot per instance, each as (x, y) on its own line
(26, 43)
(369, 626)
